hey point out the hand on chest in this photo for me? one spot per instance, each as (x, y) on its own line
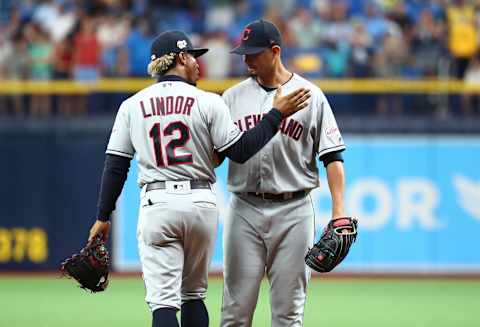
(247, 114)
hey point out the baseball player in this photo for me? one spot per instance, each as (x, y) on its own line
(173, 128)
(270, 224)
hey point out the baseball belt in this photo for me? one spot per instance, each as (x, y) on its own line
(193, 185)
(280, 196)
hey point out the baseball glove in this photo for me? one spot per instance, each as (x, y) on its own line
(333, 245)
(90, 267)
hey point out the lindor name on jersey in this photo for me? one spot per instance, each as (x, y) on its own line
(170, 105)
(289, 127)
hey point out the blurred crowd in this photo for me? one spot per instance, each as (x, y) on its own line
(87, 39)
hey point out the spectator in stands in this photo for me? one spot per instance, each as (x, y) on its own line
(392, 54)
(40, 51)
(175, 15)
(14, 65)
(427, 44)
(63, 23)
(219, 15)
(388, 63)
(306, 30)
(398, 14)
(112, 31)
(9, 32)
(323, 38)
(62, 70)
(471, 102)
(304, 56)
(12, 26)
(462, 35)
(217, 59)
(122, 67)
(244, 12)
(86, 60)
(6, 51)
(338, 32)
(274, 15)
(436, 7)
(63, 59)
(361, 51)
(337, 55)
(321, 9)
(138, 46)
(45, 15)
(375, 21)
(338, 29)
(26, 10)
(286, 7)
(86, 53)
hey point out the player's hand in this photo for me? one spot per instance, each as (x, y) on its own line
(100, 227)
(292, 102)
(217, 158)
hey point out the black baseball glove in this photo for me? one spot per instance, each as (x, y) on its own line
(90, 267)
(333, 245)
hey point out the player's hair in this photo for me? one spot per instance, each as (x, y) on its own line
(159, 66)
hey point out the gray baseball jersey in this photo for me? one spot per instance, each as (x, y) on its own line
(173, 127)
(266, 237)
(289, 161)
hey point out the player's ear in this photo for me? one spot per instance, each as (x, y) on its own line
(182, 58)
(277, 51)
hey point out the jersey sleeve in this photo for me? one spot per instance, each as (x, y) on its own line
(330, 138)
(222, 129)
(227, 98)
(120, 143)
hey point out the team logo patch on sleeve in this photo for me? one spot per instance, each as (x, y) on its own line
(333, 134)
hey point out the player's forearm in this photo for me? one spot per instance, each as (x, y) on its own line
(115, 173)
(336, 184)
(255, 139)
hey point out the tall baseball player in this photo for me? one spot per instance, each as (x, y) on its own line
(270, 224)
(173, 128)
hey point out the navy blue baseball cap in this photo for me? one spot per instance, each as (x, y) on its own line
(173, 41)
(258, 36)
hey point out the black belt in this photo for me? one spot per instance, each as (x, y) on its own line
(280, 196)
(193, 185)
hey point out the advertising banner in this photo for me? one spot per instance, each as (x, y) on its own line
(417, 200)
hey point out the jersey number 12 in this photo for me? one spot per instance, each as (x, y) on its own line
(172, 158)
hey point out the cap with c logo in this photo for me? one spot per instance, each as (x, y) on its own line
(258, 36)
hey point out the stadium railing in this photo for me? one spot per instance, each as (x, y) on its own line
(425, 86)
